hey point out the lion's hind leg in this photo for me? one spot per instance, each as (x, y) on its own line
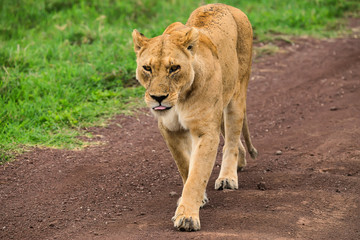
(233, 151)
(246, 133)
(241, 157)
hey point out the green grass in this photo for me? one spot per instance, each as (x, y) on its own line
(68, 64)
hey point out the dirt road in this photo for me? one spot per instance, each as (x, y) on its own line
(304, 115)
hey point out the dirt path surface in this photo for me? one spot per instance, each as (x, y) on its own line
(304, 102)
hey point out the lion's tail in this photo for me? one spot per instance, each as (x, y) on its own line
(246, 133)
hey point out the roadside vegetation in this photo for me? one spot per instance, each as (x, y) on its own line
(69, 64)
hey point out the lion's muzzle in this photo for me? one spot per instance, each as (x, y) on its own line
(159, 100)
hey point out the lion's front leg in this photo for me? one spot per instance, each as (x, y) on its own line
(201, 163)
(179, 143)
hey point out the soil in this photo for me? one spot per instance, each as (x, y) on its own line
(304, 116)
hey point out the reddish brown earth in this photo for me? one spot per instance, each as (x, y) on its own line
(304, 102)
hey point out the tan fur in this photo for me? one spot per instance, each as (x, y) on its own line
(201, 70)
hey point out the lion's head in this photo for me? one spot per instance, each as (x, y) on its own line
(165, 65)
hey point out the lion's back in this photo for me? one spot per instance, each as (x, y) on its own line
(230, 31)
(217, 22)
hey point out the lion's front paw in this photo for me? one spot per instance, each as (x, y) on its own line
(186, 223)
(186, 219)
(203, 202)
(226, 183)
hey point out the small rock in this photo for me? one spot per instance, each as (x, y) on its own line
(278, 152)
(172, 193)
(261, 186)
(333, 108)
(52, 224)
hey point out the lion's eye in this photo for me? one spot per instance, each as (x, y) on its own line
(174, 68)
(147, 68)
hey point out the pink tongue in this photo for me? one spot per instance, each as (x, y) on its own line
(160, 108)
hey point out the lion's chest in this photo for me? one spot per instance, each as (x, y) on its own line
(173, 120)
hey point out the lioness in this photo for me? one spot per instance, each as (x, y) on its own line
(196, 76)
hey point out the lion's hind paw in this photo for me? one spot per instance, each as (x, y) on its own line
(225, 183)
(204, 201)
(253, 153)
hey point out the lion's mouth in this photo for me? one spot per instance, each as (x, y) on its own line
(161, 108)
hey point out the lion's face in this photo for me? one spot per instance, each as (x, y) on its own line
(164, 67)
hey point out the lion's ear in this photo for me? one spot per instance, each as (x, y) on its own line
(190, 39)
(139, 40)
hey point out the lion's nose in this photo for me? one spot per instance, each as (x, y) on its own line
(159, 98)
